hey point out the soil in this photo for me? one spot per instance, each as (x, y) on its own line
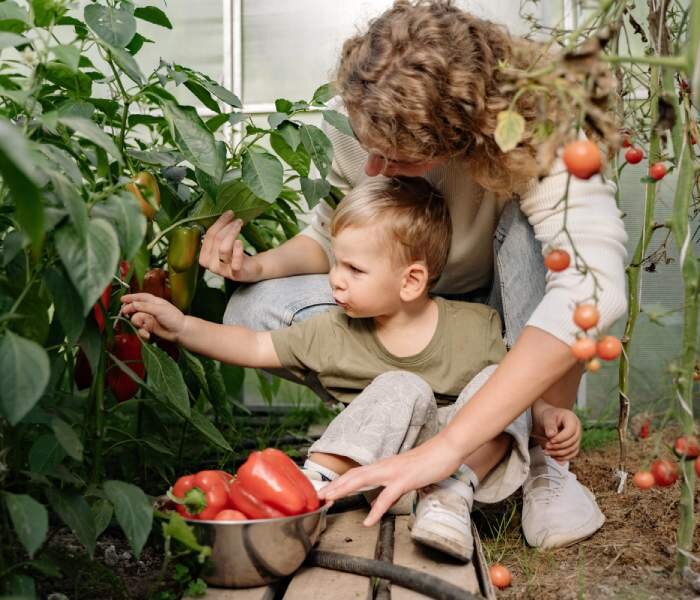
(631, 557)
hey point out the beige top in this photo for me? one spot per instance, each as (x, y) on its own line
(594, 223)
(347, 355)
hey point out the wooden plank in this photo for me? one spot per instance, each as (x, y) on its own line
(416, 556)
(258, 593)
(482, 568)
(345, 533)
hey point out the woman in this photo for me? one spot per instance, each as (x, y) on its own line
(422, 91)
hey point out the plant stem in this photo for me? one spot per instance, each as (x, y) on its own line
(675, 62)
(98, 422)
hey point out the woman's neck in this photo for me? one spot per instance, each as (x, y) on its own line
(409, 330)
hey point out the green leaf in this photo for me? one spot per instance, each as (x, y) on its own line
(24, 372)
(76, 514)
(69, 79)
(45, 454)
(13, 17)
(47, 12)
(91, 262)
(123, 211)
(115, 26)
(68, 55)
(165, 378)
(178, 529)
(276, 119)
(221, 93)
(339, 121)
(323, 94)
(102, 511)
(314, 190)
(236, 196)
(30, 520)
(263, 174)
(19, 173)
(202, 95)
(208, 183)
(153, 157)
(153, 15)
(11, 40)
(62, 161)
(127, 63)
(318, 147)
(298, 159)
(195, 366)
(72, 200)
(68, 439)
(193, 138)
(209, 431)
(133, 511)
(510, 128)
(93, 133)
(67, 304)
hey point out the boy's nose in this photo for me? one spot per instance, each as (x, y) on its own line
(335, 281)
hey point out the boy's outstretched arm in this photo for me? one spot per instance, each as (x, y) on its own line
(227, 343)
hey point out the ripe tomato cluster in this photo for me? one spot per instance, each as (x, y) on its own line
(268, 485)
(664, 473)
(585, 348)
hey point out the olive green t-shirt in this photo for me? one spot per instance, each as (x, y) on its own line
(346, 354)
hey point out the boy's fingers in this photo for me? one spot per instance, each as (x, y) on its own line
(209, 242)
(237, 256)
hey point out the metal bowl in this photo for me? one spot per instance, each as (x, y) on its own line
(258, 551)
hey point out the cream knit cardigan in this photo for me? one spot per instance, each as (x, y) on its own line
(593, 221)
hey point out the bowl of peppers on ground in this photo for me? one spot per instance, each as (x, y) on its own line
(260, 523)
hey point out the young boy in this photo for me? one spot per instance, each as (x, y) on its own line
(404, 362)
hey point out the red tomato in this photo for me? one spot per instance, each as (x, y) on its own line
(584, 348)
(634, 155)
(626, 142)
(665, 472)
(644, 430)
(500, 576)
(586, 316)
(609, 347)
(697, 467)
(582, 158)
(230, 514)
(687, 447)
(657, 171)
(643, 480)
(557, 260)
(593, 365)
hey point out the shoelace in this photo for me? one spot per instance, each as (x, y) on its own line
(545, 494)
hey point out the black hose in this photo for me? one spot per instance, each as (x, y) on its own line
(420, 582)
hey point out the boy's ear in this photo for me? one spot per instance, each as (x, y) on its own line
(415, 282)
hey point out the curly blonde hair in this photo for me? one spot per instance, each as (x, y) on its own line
(413, 215)
(423, 83)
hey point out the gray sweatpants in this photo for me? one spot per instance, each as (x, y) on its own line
(397, 411)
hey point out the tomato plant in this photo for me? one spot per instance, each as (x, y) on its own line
(584, 348)
(665, 472)
(687, 447)
(500, 576)
(608, 347)
(634, 155)
(582, 158)
(644, 480)
(657, 171)
(586, 316)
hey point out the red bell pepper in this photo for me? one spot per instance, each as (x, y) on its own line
(249, 505)
(202, 496)
(229, 514)
(127, 348)
(270, 479)
(155, 282)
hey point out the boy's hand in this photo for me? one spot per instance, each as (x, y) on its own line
(562, 430)
(151, 314)
(222, 253)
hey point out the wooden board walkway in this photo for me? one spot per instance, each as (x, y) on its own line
(346, 534)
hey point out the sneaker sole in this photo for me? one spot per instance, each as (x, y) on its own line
(569, 538)
(436, 536)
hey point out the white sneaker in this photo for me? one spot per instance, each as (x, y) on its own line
(317, 479)
(557, 509)
(441, 518)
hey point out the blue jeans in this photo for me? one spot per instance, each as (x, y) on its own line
(517, 288)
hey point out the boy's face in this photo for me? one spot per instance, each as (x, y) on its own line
(366, 282)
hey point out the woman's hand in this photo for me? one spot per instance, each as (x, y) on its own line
(430, 462)
(562, 430)
(151, 314)
(222, 253)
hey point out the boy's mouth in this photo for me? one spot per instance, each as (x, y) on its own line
(342, 305)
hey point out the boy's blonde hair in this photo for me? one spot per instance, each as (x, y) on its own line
(413, 214)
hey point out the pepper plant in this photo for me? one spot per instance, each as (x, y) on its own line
(106, 184)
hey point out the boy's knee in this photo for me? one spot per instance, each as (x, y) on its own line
(405, 383)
